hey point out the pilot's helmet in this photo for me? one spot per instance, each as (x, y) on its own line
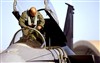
(32, 11)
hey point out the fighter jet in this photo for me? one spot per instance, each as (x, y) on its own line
(53, 49)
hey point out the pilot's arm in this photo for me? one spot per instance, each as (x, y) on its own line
(41, 21)
(22, 20)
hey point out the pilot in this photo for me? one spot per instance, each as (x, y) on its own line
(30, 19)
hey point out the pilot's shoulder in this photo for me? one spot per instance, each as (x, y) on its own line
(24, 13)
(38, 13)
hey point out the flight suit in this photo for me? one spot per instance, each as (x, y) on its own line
(23, 22)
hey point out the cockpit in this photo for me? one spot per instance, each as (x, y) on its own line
(53, 33)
